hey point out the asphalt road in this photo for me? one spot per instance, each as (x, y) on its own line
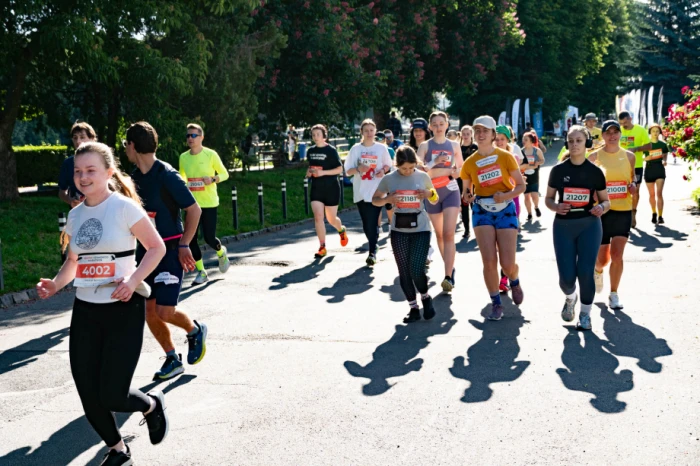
(308, 363)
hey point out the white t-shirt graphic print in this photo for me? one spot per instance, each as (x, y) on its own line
(98, 231)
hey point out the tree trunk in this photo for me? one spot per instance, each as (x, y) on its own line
(8, 117)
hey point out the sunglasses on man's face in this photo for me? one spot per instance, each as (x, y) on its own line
(193, 136)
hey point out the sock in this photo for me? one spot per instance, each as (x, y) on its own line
(653, 210)
(323, 244)
(194, 331)
(515, 282)
(496, 299)
(586, 308)
(571, 296)
(661, 212)
(200, 265)
(171, 353)
(341, 231)
(220, 252)
(413, 304)
(424, 296)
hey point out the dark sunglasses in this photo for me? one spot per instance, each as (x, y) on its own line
(193, 136)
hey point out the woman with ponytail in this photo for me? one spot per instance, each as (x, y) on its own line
(109, 311)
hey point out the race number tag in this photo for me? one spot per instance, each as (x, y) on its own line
(407, 199)
(314, 170)
(369, 160)
(616, 189)
(531, 159)
(577, 197)
(195, 184)
(627, 141)
(655, 154)
(94, 270)
(152, 218)
(439, 153)
(490, 175)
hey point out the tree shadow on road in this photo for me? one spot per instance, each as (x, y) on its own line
(75, 438)
(631, 340)
(302, 274)
(397, 357)
(492, 359)
(642, 239)
(29, 351)
(591, 369)
(356, 283)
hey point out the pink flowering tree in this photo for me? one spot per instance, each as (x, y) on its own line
(682, 128)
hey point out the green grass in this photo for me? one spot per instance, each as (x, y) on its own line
(29, 227)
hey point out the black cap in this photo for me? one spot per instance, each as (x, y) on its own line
(624, 115)
(610, 124)
(380, 136)
(421, 123)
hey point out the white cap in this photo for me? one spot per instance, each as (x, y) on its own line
(485, 121)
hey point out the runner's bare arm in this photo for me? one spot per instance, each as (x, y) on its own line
(459, 157)
(644, 148)
(47, 288)
(184, 254)
(540, 158)
(515, 192)
(632, 160)
(336, 171)
(561, 208)
(146, 234)
(380, 198)
(422, 149)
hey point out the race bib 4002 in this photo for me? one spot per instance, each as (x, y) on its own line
(94, 270)
(577, 197)
(195, 184)
(490, 175)
(407, 199)
(616, 189)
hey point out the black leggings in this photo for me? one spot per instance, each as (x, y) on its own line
(369, 213)
(207, 222)
(576, 244)
(465, 207)
(105, 345)
(410, 252)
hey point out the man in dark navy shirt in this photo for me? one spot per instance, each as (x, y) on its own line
(164, 194)
(80, 132)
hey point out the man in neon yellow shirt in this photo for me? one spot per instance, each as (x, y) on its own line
(596, 133)
(202, 168)
(634, 138)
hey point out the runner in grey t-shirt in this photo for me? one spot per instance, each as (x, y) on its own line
(405, 189)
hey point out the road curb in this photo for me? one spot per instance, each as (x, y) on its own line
(25, 296)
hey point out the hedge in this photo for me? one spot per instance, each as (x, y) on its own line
(39, 164)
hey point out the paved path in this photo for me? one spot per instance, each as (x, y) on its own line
(308, 363)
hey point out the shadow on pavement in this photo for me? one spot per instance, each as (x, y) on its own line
(28, 352)
(464, 246)
(641, 239)
(591, 369)
(631, 340)
(397, 357)
(522, 241)
(396, 293)
(193, 289)
(533, 227)
(76, 437)
(356, 283)
(492, 359)
(675, 235)
(302, 274)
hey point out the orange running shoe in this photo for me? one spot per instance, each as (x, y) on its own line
(321, 253)
(343, 237)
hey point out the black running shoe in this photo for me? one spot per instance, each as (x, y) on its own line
(413, 316)
(661, 220)
(157, 420)
(117, 458)
(653, 218)
(428, 309)
(529, 217)
(538, 212)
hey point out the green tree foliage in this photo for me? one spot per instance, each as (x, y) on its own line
(667, 45)
(565, 42)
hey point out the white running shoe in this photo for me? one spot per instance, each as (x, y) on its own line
(614, 301)
(201, 277)
(584, 322)
(224, 263)
(569, 311)
(598, 278)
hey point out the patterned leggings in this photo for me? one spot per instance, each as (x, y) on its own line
(410, 252)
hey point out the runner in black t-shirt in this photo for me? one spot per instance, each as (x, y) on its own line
(164, 194)
(577, 227)
(324, 168)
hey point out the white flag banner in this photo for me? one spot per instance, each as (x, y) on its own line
(502, 118)
(643, 109)
(527, 112)
(650, 106)
(516, 115)
(660, 105)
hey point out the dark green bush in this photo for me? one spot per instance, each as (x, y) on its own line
(39, 164)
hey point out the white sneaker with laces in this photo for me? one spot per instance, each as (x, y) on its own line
(569, 311)
(614, 301)
(201, 277)
(224, 263)
(598, 278)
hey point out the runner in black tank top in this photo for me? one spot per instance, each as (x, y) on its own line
(532, 160)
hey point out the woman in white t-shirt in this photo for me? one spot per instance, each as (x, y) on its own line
(367, 163)
(107, 324)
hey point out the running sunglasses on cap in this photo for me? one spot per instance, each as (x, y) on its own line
(193, 136)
